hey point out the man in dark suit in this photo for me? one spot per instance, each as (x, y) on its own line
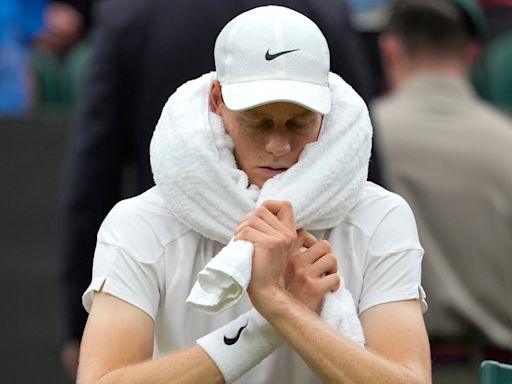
(142, 51)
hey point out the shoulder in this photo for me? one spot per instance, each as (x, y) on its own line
(386, 106)
(389, 254)
(142, 224)
(391, 113)
(374, 204)
(499, 121)
(386, 219)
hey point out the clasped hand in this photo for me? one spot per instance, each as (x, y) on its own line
(286, 259)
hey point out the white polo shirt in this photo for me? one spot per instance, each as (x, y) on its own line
(147, 258)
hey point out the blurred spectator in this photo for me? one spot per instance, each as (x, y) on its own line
(63, 27)
(492, 75)
(60, 54)
(448, 154)
(19, 21)
(143, 50)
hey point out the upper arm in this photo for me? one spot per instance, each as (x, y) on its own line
(397, 332)
(392, 267)
(117, 334)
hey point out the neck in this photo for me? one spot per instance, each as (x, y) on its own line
(419, 66)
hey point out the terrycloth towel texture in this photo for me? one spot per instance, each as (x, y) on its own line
(194, 166)
(339, 312)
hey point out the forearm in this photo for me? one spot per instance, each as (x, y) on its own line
(331, 356)
(191, 365)
(223, 355)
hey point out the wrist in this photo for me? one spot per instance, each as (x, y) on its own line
(269, 302)
(240, 344)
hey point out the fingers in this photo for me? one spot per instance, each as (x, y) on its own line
(273, 229)
(326, 264)
(305, 239)
(330, 282)
(316, 251)
(251, 234)
(283, 211)
(266, 215)
(256, 223)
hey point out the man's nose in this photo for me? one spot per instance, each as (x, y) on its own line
(278, 144)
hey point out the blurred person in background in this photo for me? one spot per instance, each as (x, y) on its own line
(448, 154)
(492, 76)
(60, 54)
(141, 52)
(64, 26)
(20, 20)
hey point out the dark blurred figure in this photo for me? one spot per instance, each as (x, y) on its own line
(448, 154)
(492, 75)
(143, 50)
(369, 18)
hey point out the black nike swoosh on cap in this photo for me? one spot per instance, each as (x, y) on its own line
(231, 341)
(271, 56)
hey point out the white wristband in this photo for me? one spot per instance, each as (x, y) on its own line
(241, 344)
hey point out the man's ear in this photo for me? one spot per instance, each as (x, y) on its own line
(393, 58)
(389, 49)
(215, 97)
(473, 52)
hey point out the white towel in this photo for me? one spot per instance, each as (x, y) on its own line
(339, 312)
(194, 168)
(224, 279)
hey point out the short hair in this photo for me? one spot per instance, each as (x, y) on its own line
(430, 26)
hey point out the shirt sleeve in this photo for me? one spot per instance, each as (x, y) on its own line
(393, 262)
(128, 262)
(120, 275)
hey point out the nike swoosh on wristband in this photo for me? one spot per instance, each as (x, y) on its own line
(231, 341)
(271, 56)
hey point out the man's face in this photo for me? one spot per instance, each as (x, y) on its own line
(269, 139)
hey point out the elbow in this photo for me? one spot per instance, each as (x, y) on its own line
(90, 379)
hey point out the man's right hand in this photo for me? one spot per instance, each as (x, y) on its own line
(271, 229)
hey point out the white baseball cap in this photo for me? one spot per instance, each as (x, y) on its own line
(271, 54)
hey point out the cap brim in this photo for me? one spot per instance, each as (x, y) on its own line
(251, 94)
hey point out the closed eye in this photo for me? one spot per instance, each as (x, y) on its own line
(299, 124)
(296, 126)
(260, 125)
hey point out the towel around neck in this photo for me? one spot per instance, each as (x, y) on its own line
(194, 167)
